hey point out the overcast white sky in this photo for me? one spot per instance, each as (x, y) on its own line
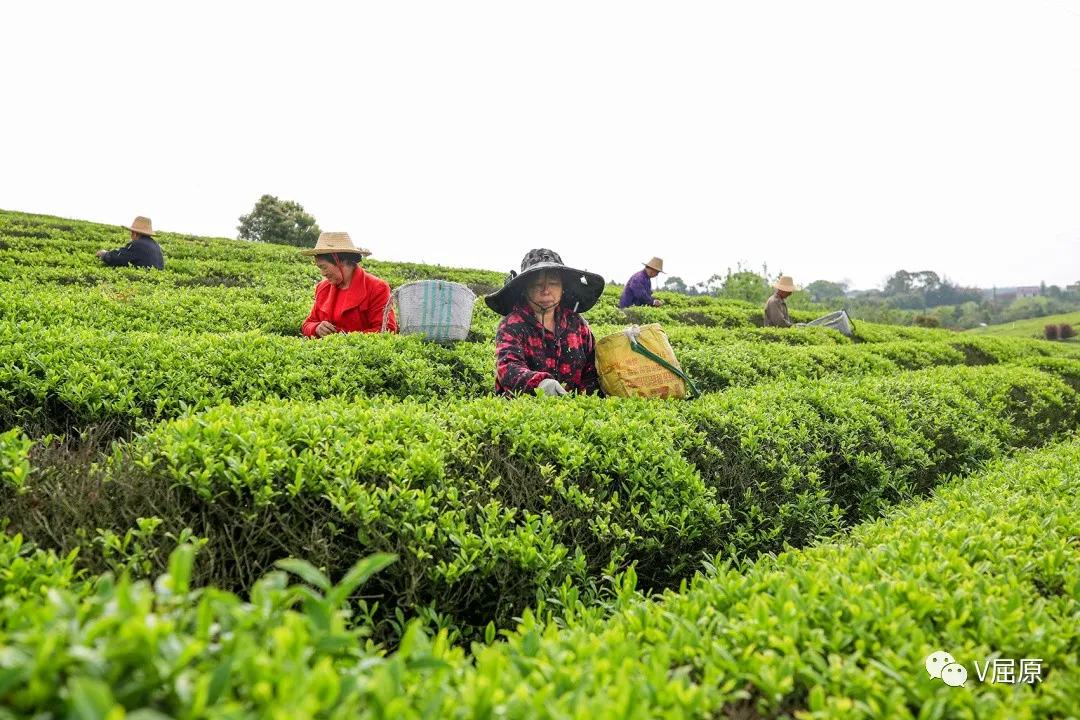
(832, 140)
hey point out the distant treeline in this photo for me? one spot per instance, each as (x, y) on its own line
(908, 298)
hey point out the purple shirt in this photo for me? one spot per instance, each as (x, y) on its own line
(638, 290)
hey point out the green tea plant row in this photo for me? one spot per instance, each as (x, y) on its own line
(66, 257)
(49, 250)
(491, 505)
(216, 285)
(223, 304)
(689, 336)
(64, 266)
(59, 379)
(736, 314)
(988, 568)
(44, 254)
(129, 306)
(742, 364)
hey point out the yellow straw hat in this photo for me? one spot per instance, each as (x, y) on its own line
(335, 242)
(786, 284)
(656, 264)
(142, 226)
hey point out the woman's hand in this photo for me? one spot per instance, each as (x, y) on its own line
(325, 328)
(551, 386)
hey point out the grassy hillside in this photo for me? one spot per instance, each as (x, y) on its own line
(1032, 328)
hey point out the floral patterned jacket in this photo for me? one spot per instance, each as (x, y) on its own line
(526, 352)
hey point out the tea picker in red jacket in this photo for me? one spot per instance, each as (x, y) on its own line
(348, 299)
(542, 341)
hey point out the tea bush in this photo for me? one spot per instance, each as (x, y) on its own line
(987, 568)
(88, 648)
(62, 379)
(491, 505)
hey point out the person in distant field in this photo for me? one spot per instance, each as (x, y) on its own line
(638, 290)
(776, 312)
(347, 299)
(542, 341)
(142, 251)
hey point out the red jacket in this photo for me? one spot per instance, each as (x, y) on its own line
(356, 309)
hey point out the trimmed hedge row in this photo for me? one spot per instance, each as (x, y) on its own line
(145, 307)
(990, 567)
(491, 505)
(684, 336)
(220, 285)
(59, 379)
(741, 364)
(729, 314)
(224, 303)
(46, 249)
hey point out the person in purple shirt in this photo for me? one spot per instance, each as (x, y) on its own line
(638, 290)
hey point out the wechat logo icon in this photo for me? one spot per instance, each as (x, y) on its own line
(942, 666)
(936, 662)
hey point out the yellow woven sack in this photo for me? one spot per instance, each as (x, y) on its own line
(626, 373)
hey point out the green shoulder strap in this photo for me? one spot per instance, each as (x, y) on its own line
(691, 389)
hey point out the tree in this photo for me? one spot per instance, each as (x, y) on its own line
(899, 283)
(925, 289)
(744, 285)
(675, 284)
(279, 221)
(823, 291)
(926, 281)
(712, 285)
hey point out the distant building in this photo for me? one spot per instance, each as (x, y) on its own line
(1011, 293)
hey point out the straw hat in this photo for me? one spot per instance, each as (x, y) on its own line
(142, 226)
(786, 284)
(335, 242)
(581, 289)
(656, 264)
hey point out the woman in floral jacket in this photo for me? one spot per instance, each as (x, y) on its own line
(542, 341)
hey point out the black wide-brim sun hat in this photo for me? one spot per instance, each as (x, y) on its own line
(581, 289)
